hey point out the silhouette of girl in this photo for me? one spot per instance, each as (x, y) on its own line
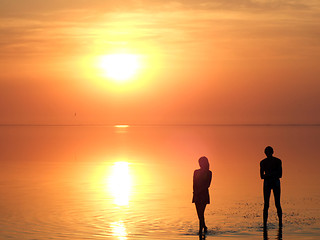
(201, 183)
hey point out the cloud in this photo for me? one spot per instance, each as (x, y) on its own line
(248, 34)
(77, 27)
(257, 5)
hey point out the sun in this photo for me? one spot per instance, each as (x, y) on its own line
(120, 67)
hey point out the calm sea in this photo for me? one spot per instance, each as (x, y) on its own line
(130, 182)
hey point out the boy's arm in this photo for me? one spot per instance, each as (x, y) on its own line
(262, 175)
(280, 169)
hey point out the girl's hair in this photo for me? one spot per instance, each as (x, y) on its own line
(204, 163)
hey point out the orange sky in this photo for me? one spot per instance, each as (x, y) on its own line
(204, 61)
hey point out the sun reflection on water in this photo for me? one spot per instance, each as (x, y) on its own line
(119, 230)
(120, 182)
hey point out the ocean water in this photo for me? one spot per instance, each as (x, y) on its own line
(135, 182)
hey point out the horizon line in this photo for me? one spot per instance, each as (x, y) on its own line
(163, 125)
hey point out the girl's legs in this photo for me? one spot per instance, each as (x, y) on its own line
(200, 211)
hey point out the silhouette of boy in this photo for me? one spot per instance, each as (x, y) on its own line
(271, 172)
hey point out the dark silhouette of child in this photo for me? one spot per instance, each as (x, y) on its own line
(271, 172)
(201, 183)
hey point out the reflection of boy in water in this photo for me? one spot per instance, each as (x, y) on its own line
(271, 172)
(201, 183)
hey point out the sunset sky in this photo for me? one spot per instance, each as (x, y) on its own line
(200, 62)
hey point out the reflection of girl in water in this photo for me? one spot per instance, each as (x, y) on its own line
(201, 183)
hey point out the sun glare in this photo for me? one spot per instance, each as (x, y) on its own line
(120, 182)
(119, 230)
(120, 67)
